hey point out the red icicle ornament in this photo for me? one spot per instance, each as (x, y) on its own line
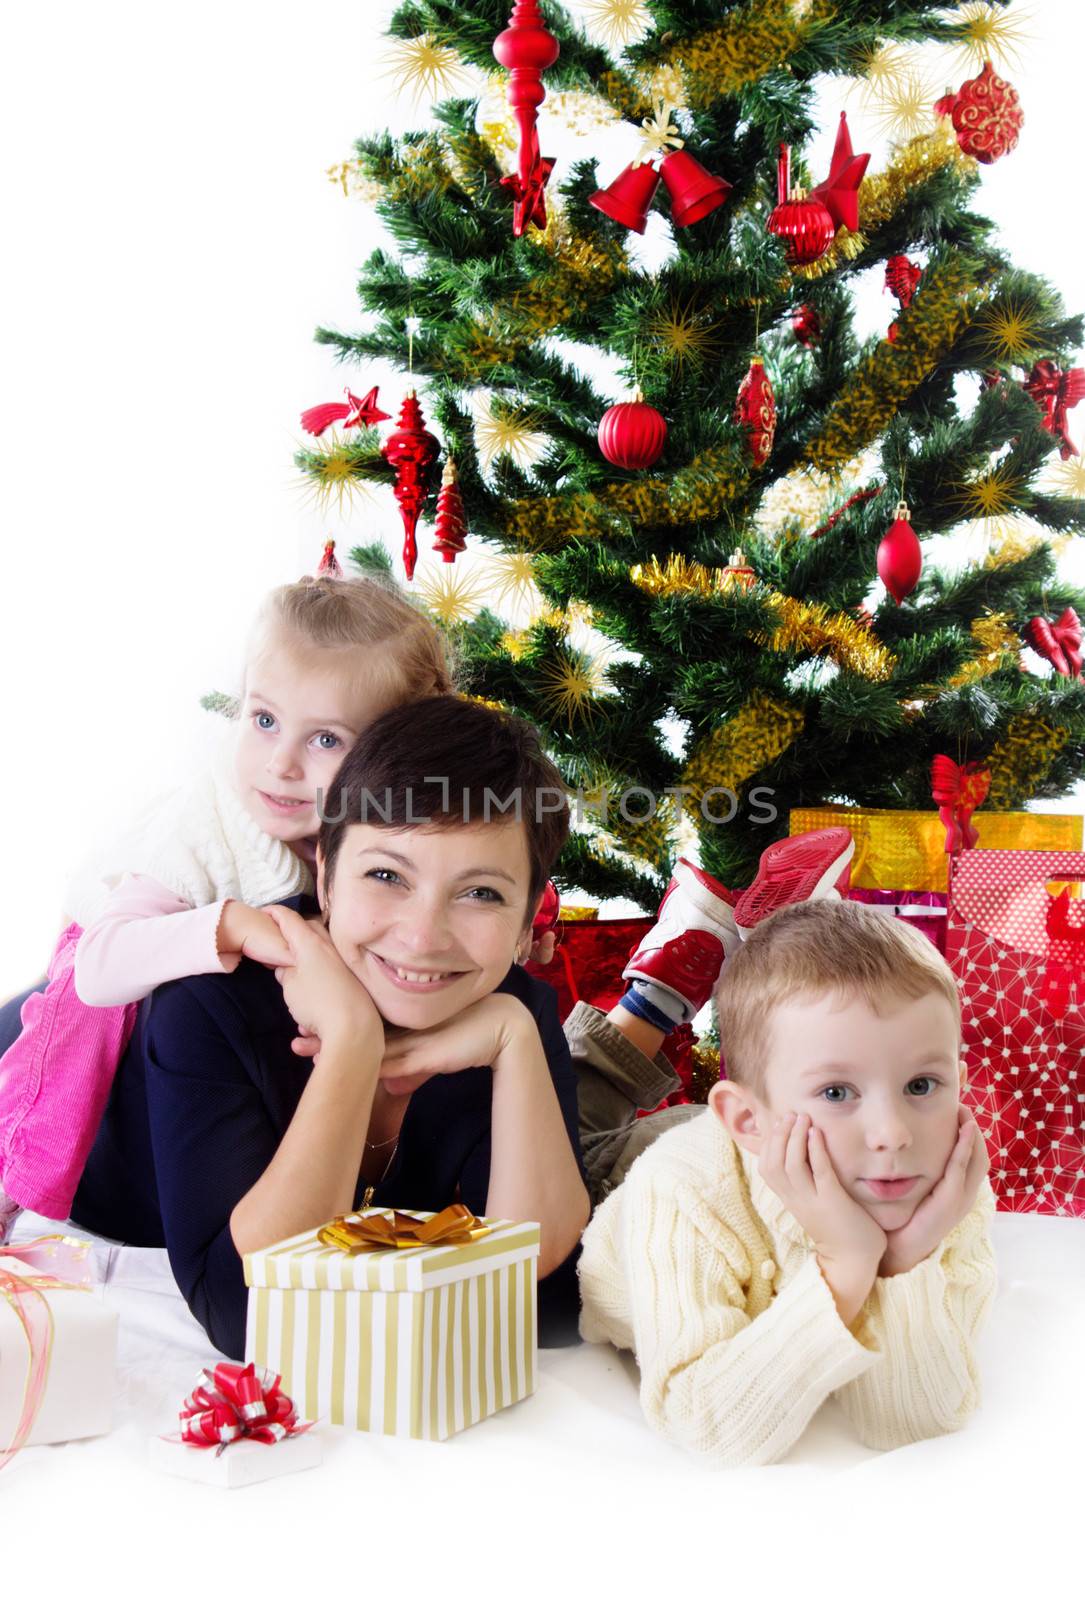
(900, 559)
(987, 116)
(755, 411)
(450, 524)
(901, 279)
(411, 450)
(804, 223)
(329, 566)
(526, 49)
(632, 434)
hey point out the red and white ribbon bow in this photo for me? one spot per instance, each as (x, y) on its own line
(238, 1402)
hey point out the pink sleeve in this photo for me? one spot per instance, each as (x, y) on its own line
(145, 936)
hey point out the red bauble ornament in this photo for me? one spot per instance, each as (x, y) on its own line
(450, 523)
(329, 567)
(1055, 391)
(364, 413)
(1058, 642)
(412, 452)
(987, 116)
(840, 191)
(803, 223)
(900, 559)
(632, 434)
(755, 411)
(526, 48)
(806, 326)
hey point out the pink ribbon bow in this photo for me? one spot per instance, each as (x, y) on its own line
(1055, 391)
(238, 1402)
(1059, 642)
(957, 791)
(58, 1263)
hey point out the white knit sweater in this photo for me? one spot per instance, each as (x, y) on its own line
(696, 1265)
(199, 842)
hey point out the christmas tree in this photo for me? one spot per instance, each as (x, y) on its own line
(704, 556)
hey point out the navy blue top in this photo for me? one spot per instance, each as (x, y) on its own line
(205, 1093)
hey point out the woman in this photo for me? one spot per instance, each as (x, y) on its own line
(228, 1129)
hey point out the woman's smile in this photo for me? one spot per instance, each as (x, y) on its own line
(414, 979)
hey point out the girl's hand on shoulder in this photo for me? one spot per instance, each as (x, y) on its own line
(248, 931)
(476, 1037)
(323, 995)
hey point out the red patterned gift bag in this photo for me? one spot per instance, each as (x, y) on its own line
(1017, 950)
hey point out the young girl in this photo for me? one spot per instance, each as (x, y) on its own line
(181, 894)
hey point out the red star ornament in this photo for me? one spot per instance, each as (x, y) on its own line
(839, 194)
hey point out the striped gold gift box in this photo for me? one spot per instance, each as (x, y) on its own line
(907, 849)
(417, 1343)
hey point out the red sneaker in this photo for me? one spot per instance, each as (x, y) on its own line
(684, 951)
(811, 866)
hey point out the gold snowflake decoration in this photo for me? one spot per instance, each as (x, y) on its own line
(992, 33)
(507, 432)
(903, 107)
(330, 478)
(616, 23)
(570, 683)
(993, 497)
(452, 594)
(1068, 478)
(1010, 329)
(512, 578)
(425, 70)
(885, 67)
(685, 333)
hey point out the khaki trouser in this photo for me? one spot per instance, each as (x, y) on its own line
(615, 1080)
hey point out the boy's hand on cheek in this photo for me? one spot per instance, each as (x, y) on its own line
(948, 1203)
(796, 1165)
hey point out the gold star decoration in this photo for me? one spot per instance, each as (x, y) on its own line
(452, 594)
(426, 70)
(882, 68)
(511, 578)
(505, 431)
(331, 477)
(687, 333)
(569, 684)
(1010, 330)
(993, 497)
(991, 33)
(616, 23)
(903, 107)
(1068, 478)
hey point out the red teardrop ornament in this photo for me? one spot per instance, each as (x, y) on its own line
(900, 559)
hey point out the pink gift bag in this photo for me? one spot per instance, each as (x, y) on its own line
(1017, 950)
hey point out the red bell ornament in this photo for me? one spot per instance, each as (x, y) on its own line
(987, 116)
(755, 411)
(632, 434)
(450, 523)
(627, 200)
(411, 450)
(526, 48)
(694, 192)
(804, 224)
(900, 559)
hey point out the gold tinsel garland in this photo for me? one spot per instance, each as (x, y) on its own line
(705, 1073)
(1021, 760)
(760, 36)
(996, 641)
(799, 625)
(740, 747)
(888, 373)
(882, 195)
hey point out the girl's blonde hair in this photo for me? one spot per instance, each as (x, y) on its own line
(404, 655)
(816, 948)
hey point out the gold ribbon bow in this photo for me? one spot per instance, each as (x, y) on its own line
(398, 1230)
(660, 134)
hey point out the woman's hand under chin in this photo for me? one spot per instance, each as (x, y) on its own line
(325, 998)
(478, 1036)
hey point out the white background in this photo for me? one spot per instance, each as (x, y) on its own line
(171, 242)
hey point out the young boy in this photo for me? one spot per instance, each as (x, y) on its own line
(823, 1226)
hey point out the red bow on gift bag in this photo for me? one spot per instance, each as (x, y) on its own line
(236, 1402)
(1059, 642)
(1055, 391)
(957, 791)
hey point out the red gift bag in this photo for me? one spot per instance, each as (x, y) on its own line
(1018, 953)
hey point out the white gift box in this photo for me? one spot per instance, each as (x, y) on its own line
(79, 1389)
(241, 1463)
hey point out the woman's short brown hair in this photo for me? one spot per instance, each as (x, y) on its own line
(816, 948)
(445, 761)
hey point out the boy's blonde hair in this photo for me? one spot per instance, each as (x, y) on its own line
(808, 950)
(404, 656)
